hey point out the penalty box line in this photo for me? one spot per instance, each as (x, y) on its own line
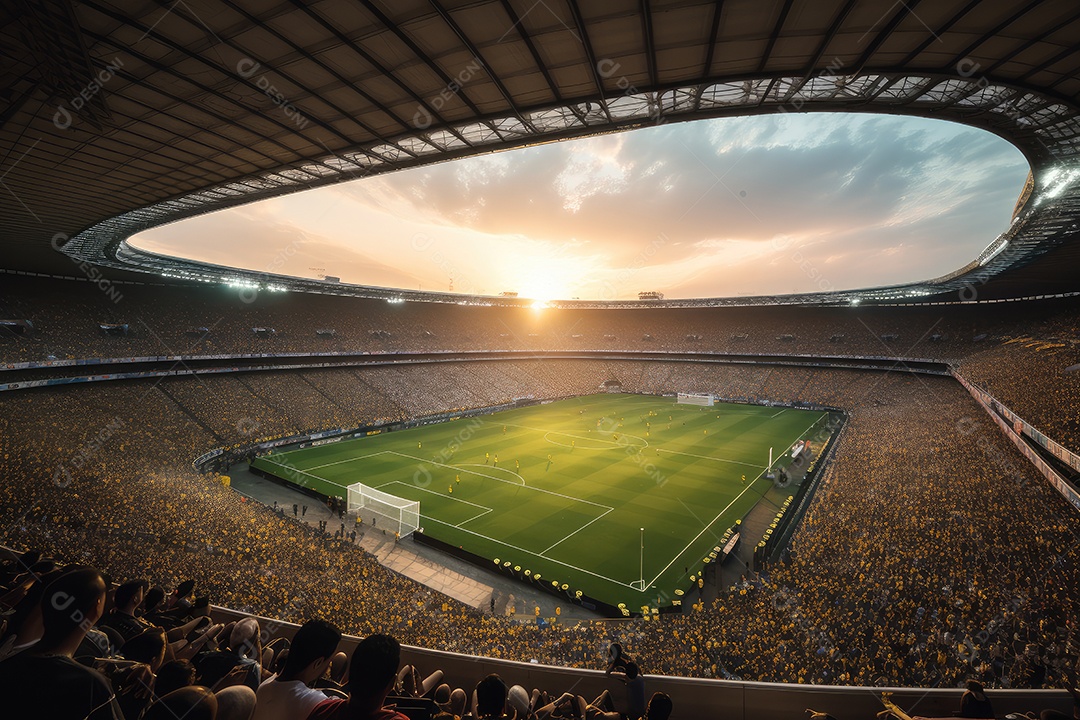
(747, 488)
(533, 553)
(288, 469)
(485, 509)
(560, 542)
(607, 509)
(422, 461)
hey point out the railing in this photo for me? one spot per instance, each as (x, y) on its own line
(1016, 432)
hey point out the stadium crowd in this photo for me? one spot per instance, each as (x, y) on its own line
(1037, 376)
(957, 560)
(66, 317)
(73, 645)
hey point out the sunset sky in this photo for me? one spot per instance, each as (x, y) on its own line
(739, 206)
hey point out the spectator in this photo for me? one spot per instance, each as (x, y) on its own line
(519, 700)
(491, 697)
(174, 675)
(659, 707)
(290, 695)
(122, 618)
(635, 690)
(458, 701)
(372, 673)
(243, 654)
(43, 680)
(147, 647)
(974, 703)
(236, 703)
(189, 703)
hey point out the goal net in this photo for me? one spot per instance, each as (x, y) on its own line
(400, 515)
(695, 399)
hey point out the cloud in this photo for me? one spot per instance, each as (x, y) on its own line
(252, 238)
(874, 199)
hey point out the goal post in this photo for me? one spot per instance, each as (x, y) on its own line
(400, 515)
(702, 399)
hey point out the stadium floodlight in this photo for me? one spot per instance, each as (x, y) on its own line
(400, 515)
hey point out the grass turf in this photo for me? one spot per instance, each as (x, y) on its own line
(574, 483)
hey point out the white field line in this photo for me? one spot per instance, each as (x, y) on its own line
(433, 492)
(291, 469)
(560, 542)
(493, 467)
(614, 443)
(346, 460)
(608, 444)
(476, 517)
(533, 552)
(529, 487)
(748, 486)
(708, 457)
(485, 509)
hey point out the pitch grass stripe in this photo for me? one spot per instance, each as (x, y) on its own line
(707, 457)
(398, 482)
(748, 486)
(493, 467)
(614, 473)
(288, 469)
(531, 552)
(347, 460)
(541, 554)
(614, 443)
(474, 517)
(530, 487)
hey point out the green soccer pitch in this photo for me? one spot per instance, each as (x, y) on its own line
(574, 483)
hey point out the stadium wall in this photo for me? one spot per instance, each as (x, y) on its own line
(695, 699)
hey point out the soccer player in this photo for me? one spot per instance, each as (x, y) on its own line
(450, 489)
(487, 457)
(457, 479)
(504, 429)
(743, 479)
(418, 445)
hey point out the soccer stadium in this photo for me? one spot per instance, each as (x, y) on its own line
(341, 377)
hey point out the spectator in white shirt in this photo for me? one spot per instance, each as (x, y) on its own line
(289, 694)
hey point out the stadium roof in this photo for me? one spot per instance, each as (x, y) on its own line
(121, 116)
